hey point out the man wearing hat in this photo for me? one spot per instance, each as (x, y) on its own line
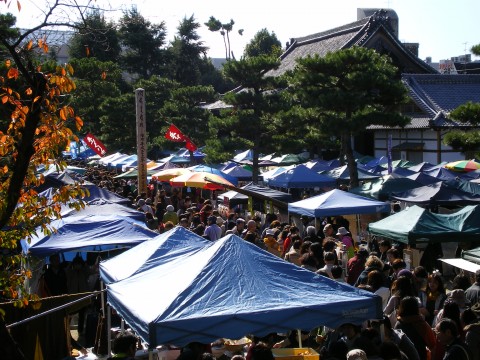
(213, 232)
(473, 292)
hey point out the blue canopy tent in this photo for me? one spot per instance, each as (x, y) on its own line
(232, 288)
(342, 174)
(95, 193)
(239, 173)
(337, 202)
(88, 233)
(175, 243)
(422, 178)
(102, 207)
(300, 177)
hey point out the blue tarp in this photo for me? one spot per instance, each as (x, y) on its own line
(337, 202)
(178, 242)
(342, 173)
(300, 177)
(95, 193)
(88, 233)
(232, 288)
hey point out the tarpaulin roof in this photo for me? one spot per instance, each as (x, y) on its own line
(102, 207)
(414, 223)
(382, 188)
(472, 255)
(300, 177)
(337, 202)
(232, 288)
(237, 198)
(161, 249)
(438, 193)
(89, 233)
(342, 173)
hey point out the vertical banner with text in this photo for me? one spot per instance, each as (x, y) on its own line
(141, 141)
(389, 153)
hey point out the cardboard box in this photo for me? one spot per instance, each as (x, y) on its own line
(295, 354)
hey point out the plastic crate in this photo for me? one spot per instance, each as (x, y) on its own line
(295, 354)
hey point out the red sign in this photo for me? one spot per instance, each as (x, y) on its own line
(95, 144)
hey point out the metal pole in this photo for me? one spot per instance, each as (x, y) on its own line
(109, 332)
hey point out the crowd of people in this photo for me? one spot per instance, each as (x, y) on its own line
(426, 316)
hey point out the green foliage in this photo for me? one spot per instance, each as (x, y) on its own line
(347, 91)
(224, 29)
(250, 123)
(467, 142)
(467, 113)
(143, 45)
(476, 49)
(8, 31)
(95, 37)
(186, 52)
(263, 43)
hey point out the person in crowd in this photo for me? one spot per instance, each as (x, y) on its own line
(457, 296)
(393, 254)
(307, 261)
(212, 232)
(193, 351)
(168, 226)
(317, 251)
(221, 224)
(356, 265)
(260, 351)
(414, 326)
(351, 334)
(384, 246)
(124, 347)
(55, 278)
(371, 264)
(346, 239)
(471, 329)
(420, 279)
(337, 274)
(239, 227)
(329, 259)
(250, 234)
(461, 281)
(356, 354)
(330, 246)
(144, 207)
(447, 334)
(288, 241)
(305, 247)
(400, 288)
(399, 338)
(151, 221)
(171, 215)
(473, 292)
(271, 244)
(436, 296)
(311, 235)
(328, 232)
(293, 255)
(77, 282)
(375, 280)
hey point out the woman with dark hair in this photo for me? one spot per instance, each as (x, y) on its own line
(414, 326)
(435, 296)
(401, 288)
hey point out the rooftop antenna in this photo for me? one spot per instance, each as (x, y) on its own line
(465, 57)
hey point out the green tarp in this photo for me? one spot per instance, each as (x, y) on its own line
(415, 225)
(381, 188)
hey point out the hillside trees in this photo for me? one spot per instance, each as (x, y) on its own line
(343, 93)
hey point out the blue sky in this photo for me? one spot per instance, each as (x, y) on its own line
(443, 28)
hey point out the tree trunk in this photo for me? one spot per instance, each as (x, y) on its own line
(351, 164)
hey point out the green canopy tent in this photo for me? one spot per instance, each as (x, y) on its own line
(416, 225)
(381, 188)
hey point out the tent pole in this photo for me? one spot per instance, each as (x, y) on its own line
(102, 298)
(299, 334)
(109, 332)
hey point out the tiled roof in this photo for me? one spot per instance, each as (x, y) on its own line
(440, 94)
(418, 121)
(357, 33)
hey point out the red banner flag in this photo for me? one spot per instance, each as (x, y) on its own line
(95, 144)
(174, 134)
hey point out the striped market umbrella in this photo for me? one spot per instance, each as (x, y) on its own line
(200, 180)
(167, 174)
(463, 165)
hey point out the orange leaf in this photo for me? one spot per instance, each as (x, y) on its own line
(5, 169)
(87, 50)
(30, 44)
(63, 72)
(19, 6)
(104, 75)
(12, 73)
(78, 122)
(4, 99)
(63, 115)
(70, 69)
(36, 99)
(28, 91)
(45, 48)
(8, 63)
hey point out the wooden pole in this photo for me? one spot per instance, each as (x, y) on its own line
(141, 141)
